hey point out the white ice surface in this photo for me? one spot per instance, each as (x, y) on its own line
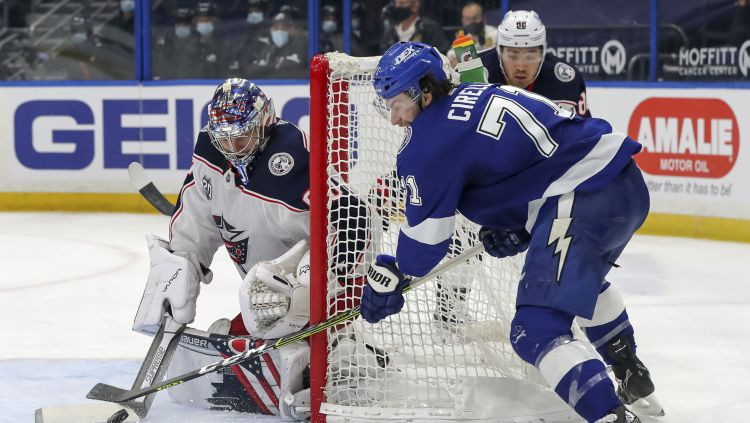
(71, 283)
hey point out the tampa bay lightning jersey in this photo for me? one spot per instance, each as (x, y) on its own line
(557, 80)
(495, 154)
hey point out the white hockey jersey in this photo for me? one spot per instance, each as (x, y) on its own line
(260, 221)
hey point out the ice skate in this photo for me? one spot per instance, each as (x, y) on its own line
(620, 415)
(634, 385)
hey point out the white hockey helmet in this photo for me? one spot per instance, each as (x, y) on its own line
(521, 28)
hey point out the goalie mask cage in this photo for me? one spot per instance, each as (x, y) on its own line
(446, 356)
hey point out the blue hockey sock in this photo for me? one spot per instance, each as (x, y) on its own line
(588, 390)
(542, 336)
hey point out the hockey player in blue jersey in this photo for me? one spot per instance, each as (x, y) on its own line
(520, 59)
(536, 177)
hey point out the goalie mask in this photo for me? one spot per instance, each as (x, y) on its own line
(240, 119)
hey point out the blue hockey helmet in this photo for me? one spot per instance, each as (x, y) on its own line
(240, 117)
(403, 65)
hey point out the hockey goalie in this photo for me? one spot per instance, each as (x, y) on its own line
(247, 190)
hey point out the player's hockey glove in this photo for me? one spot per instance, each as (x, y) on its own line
(503, 243)
(383, 294)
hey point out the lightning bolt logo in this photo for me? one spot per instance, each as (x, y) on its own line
(559, 234)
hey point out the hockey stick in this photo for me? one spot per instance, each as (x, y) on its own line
(111, 393)
(148, 190)
(152, 370)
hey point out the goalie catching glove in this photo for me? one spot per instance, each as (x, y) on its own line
(275, 295)
(174, 282)
(383, 294)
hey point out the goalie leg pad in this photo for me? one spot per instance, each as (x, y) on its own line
(262, 386)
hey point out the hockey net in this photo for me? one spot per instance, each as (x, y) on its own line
(446, 356)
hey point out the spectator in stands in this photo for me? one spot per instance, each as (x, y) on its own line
(256, 14)
(120, 29)
(172, 58)
(407, 24)
(473, 24)
(331, 38)
(205, 49)
(125, 18)
(284, 51)
(242, 36)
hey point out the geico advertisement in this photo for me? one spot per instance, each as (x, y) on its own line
(695, 145)
(81, 139)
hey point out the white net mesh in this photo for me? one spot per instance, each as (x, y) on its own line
(447, 353)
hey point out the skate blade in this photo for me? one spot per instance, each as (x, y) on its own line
(649, 405)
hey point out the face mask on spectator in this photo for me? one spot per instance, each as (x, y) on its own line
(330, 26)
(204, 28)
(78, 37)
(355, 24)
(279, 37)
(475, 28)
(182, 31)
(127, 5)
(254, 18)
(399, 14)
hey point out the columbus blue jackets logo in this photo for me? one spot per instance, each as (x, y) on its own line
(281, 163)
(564, 72)
(236, 247)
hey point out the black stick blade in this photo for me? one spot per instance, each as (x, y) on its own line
(104, 392)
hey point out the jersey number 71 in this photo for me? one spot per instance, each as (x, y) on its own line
(499, 108)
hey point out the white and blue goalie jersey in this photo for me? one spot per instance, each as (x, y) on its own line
(266, 217)
(254, 222)
(495, 154)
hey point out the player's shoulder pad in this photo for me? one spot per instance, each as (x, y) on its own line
(562, 71)
(208, 154)
(491, 62)
(282, 169)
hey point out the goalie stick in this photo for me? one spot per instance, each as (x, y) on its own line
(148, 190)
(152, 370)
(111, 393)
